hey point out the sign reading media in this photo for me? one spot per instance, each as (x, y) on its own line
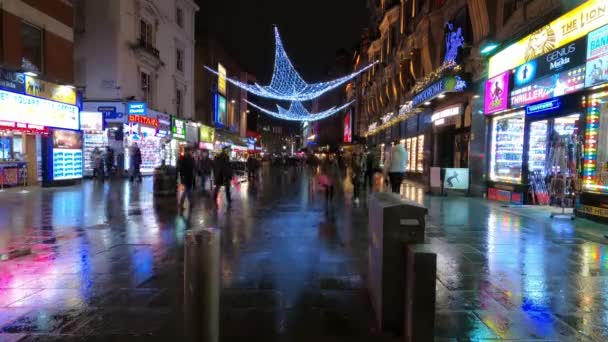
(569, 27)
(567, 57)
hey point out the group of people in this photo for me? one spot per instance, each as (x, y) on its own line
(103, 162)
(365, 164)
(194, 163)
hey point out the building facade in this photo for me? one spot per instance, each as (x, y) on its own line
(137, 50)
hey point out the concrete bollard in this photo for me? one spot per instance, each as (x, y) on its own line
(202, 284)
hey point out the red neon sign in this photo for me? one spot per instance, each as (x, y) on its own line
(144, 120)
(18, 126)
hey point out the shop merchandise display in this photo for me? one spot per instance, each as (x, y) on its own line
(408, 147)
(507, 148)
(419, 154)
(150, 154)
(537, 154)
(92, 140)
(411, 163)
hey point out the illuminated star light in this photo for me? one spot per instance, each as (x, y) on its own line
(286, 83)
(297, 112)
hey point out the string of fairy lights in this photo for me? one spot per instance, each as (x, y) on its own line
(287, 85)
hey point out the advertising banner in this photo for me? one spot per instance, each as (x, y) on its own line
(67, 155)
(561, 31)
(36, 111)
(597, 57)
(565, 82)
(207, 134)
(568, 57)
(221, 80)
(497, 93)
(51, 91)
(456, 179)
(220, 110)
(348, 134)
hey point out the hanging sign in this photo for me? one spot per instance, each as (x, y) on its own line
(561, 31)
(138, 108)
(178, 128)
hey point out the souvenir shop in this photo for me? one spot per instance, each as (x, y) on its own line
(94, 137)
(35, 117)
(142, 130)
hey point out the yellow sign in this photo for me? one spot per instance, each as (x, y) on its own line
(51, 91)
(595, 211)
(561, 31)
(221, 81)
(207, 134)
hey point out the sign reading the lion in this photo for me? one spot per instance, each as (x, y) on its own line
(561, 31)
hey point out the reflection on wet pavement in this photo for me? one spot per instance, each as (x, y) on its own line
(106, 261)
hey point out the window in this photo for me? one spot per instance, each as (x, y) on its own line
(145, 33)
(179, 102)
(179, 16)
(31, 47)
(146, 85)
(179, 59)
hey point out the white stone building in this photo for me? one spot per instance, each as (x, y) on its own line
(136, 50)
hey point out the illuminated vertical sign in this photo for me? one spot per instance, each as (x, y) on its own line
(221, 81)
(348, 128)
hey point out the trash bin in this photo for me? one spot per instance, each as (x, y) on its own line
(392, 224)
(165, 181)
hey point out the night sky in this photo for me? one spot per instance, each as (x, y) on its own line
(312, 31)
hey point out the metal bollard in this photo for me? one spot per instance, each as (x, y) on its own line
(420, 295)
(202, 284)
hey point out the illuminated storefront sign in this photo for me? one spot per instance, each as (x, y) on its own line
(447, 84)
(144, 120)
(561, 31)
(567, 57)
(139, 108)
(51, 91)
(497, 93)
(565, 82)
(91, 121)
(220, 110)
(36, 111)
(221, 81)
(597, 57)
(543, 107)
(178, 129)
(439, 116)
(12, 81)
(67, 155)
(207, 134)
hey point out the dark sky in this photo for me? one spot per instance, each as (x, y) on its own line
(312, 31)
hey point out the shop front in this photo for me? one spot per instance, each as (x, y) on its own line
(114, 116)
(32, 112)
(95, 140)
(141, 131)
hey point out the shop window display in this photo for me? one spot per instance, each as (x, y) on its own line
(507, 148)
(419, 154)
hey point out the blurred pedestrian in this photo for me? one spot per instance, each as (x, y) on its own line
(109, 161)
(135, 160)
(205, 166)
(252, 166)
(358, 165)
(223, 173)
(97, 158)
(371, 168)
(325, 180)
(395, 166)
(186, 170)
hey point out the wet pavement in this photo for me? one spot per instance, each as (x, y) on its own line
(105, 262)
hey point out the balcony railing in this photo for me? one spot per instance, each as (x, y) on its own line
(148, 48)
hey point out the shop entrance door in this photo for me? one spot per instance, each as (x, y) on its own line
(445, 147)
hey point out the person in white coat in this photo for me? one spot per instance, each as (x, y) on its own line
(395, 166)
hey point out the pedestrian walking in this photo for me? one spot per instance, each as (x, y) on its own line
(186, 170)
(97, 158)
(324, 179)
(205, 167)
(252, 166)
(135, 159)
(358, 166)
(223, 173)
(396, 166)
(109, 161)
(372, 166)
